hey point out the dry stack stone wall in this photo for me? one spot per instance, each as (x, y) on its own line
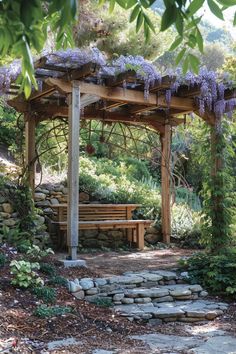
(10, 218)
(155, 296)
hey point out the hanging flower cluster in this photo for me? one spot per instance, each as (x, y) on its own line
(212, 88)
(144, 70)
(9, 74)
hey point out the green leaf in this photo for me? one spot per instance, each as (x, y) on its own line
(215, 9)
(139, 21)
(199, 40)
(122, 3)
(176, 43)
(112, 6)
(145, 4)
(193, 23)
(179, 23)
(194, 62)
(149, 22)
(227, 3)
(73, 7)
(134, 13)
(192, 40)
(147, 32)
(194, 7)
(168, 17)
(130, 3)
(180, 56)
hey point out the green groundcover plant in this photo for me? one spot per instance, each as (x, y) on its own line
(217, 273)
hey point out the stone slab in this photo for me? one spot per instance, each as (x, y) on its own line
(102, 351)
(217, 345)
(75, 263)
(63, 343)
(167, 275)
(158, 342)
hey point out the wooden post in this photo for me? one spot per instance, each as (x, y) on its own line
(140, 236)
(165, 183)
(30, 156)
(73, 172)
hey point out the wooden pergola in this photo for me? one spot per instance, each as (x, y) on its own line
(65, 92)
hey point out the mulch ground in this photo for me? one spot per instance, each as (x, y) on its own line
(96, 327)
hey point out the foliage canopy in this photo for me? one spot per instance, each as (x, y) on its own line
(24, 27)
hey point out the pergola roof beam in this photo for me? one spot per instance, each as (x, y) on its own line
(120, 95)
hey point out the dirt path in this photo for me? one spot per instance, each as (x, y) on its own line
(110, 263)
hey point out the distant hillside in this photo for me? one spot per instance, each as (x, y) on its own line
(210, 33)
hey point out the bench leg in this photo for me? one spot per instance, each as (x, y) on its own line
(140, 236)
(129, 234)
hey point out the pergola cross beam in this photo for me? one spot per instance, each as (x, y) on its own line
(118, 94)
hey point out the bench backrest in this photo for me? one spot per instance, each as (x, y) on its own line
(93, 213)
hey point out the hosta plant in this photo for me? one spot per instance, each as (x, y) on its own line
(36, 253)
(24, 274)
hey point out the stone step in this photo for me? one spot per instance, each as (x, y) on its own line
(128, 280)
(142, 287)
(154, 295)
(183, 311)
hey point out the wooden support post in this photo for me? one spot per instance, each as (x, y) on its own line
(140, 236)
(30, 156)
(165, 183)
(73, 172)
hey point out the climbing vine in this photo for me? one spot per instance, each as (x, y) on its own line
(218, 187)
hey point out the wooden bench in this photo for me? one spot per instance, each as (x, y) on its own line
(105, 217)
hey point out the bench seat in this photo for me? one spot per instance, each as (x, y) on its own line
(137, 225)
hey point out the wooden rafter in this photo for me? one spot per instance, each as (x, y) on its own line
(46, 111)
(111, 105)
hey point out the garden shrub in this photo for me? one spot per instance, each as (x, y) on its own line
(45, 311)
(186, 226)
(58, 280)
(3, 259)
(103, 302)
(47, 268)
(117, 182)
(16, 238)
(48, 295)
(216, 273)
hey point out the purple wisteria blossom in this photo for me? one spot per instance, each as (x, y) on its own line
(9, 74)
(144, 70)
(75, 58)
(212, 88)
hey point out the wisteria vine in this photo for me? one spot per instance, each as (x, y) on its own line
(212, 87)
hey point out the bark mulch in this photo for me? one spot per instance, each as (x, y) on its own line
(96, 327)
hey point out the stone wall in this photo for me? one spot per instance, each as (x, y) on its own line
(52, 194)
(155, 296)
(10, 218)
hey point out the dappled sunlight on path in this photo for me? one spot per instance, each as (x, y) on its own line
(110, 263)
